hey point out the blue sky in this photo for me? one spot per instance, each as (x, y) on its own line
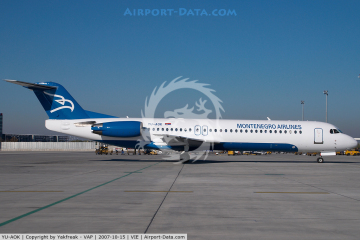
(261, 62)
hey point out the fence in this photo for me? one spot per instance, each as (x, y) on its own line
(47, 146)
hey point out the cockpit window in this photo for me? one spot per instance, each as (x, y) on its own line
(334, 131)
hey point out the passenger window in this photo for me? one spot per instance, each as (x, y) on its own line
(240, 130)
(300, 132)
(167, 129)
(265, 131)
(180, 129)
(256, 131)
(280, 131)
(246, 130)
(171, 129)
(220, 130)
(158, 129)
(251, 131)
(231, 130)
(270, 131)
(162, 129)
(236, 130)
(153, 129)
(275, 131)
(215, 130)
(210, 130)
(225, 130)
(189, 129)
(295, 132)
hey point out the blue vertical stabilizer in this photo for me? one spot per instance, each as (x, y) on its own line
(56, 101)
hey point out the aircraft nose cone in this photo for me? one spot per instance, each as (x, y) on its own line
(350, 142)
(354, 143)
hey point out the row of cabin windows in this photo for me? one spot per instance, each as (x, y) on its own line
(236, 130)
(171, 129)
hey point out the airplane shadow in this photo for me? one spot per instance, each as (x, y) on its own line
(199, 162)
(254, 161)
(130, 160)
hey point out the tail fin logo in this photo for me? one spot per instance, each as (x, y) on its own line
(62, 101)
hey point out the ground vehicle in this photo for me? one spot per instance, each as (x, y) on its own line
(231, 153)
(150, 152)
(352, 153)
(102, 150)
(311, 153)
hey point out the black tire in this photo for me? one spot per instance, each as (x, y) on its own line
(320, 160)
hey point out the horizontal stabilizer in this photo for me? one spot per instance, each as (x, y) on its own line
(32, 86)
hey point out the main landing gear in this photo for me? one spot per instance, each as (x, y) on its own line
(320, 160)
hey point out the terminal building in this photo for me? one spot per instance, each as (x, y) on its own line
(1, 127)
(36, 142)
(36, 138)
(32, 137)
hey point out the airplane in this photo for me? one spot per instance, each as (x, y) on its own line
(185, 135)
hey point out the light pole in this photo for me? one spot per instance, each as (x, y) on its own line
(302, 103)
(326, 92)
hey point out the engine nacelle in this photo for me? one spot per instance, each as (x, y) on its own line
(118, 129)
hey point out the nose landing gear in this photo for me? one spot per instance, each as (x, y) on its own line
(320, 160)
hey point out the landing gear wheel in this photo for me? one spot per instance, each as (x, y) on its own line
(320, 160)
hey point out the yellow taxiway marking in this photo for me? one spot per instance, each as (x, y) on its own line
(297, 192)
(163, 191)
(31, 191)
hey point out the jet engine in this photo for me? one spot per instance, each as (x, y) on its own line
(118, 129)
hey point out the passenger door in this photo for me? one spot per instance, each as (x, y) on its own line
(318, 136)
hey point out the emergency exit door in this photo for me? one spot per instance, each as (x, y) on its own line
(318, 136)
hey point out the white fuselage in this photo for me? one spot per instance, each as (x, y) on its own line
(224, 134)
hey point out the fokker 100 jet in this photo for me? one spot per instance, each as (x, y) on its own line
(67, 116)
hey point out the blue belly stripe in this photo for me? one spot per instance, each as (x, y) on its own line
(283, 147)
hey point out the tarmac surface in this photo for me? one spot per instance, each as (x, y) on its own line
(278, 196)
